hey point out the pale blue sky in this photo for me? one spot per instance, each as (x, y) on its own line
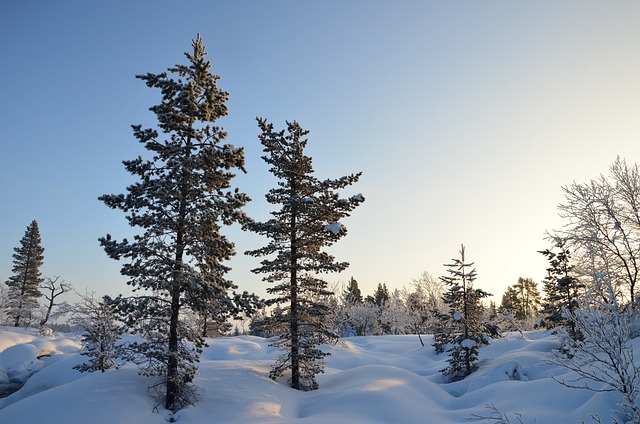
(466, 118)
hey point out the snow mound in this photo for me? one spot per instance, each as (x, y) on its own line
(378, 379)
(24, 353)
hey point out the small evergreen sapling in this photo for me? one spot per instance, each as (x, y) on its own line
(461, 331)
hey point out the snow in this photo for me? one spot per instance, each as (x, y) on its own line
(375, 379)
(335, 228)
(468, 343)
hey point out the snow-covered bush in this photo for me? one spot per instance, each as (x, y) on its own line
(99, 333)
(602, 356)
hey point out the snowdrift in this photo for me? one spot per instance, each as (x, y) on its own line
(383, 379)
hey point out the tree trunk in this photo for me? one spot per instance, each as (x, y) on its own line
(295, 342)
(173, 386)
(173, 382)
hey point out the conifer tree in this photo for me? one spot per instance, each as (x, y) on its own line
(462, 328)
(562, 288)
(528, 297)
(523, 298)
(179, 204)
(308, 220)
(509, 300)
(380, 296)
(352, 294)
(24, 284)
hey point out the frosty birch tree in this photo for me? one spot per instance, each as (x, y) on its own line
(461, 329)
(307, 221)
(603, 226)
(430, 289)
(602, 358)
(424, 303)
(179, 204)
(24, 284)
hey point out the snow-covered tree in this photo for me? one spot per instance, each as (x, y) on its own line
(308, 220)
(99, 333)
(4, 302)
(561, 286)
(423, 303)
(394, 318)
(179, 204)
(356, 319)
(461, 332)
(430, 288)
(602, 358)
(53, 288)
(603, 226)
(24, 284)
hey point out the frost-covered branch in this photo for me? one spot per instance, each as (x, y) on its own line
(601, 355)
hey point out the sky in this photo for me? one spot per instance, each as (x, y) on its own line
(466, 119)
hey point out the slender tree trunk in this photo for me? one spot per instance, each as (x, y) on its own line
(173, 385)
(204, 326)
(21, 303)
(44, 320)
(295, 342)
(173, 382)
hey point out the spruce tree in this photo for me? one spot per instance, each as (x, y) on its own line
(352, 294)
(380, 296)
(461, 330)
(179, 204)
(308, 219)
(24, 284)
(562, 288)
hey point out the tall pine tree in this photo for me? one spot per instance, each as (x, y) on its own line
(461, 330)
(182, 198)
(307, 221)
(24, 284)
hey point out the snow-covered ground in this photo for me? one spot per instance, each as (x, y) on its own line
(384, 379)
